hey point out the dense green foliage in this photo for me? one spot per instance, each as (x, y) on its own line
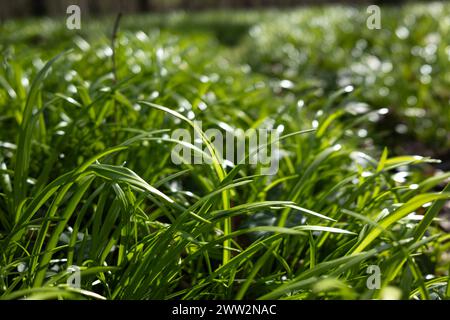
(86, 176)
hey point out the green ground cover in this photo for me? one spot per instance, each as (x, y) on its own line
(87, 179)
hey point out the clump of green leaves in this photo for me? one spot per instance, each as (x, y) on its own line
(86, 177)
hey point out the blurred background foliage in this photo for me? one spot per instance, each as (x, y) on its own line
(23, 8)
(403, 67)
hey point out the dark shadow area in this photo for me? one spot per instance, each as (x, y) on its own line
(38, 8)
